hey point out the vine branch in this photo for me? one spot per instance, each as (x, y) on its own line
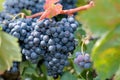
(68, 12)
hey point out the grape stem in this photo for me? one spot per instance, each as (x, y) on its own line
(68, 12)
(82, 46)
(22, 15)
(83, 43)
(87, 75)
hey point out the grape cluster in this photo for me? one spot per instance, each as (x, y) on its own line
(83, 60)
(50, 37)
(59, 42)
(55, 63)
(47, 39)
(15, 67)
(4, 16)
(16, 6)
(19, 28)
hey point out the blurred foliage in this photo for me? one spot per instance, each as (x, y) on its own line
(68, 76)
(103, 20)
(102, 17)
(117, 76)
(106, 56)
(1, 3)
(29, 70)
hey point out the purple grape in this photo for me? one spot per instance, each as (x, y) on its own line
(87, 58)
(78, 53)
(80, 58)
(87, 65)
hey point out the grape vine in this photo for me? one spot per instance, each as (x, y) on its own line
(41, 36)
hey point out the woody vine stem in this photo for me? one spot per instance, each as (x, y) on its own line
(68, 12)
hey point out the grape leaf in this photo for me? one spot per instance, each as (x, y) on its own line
(96, 78)
(117, 76)
(102, 17)
(106, 54)
(26, 12)
(1, 6)
(27, 68)
(9, 51)
(68, 76)
(49, 3)
(77, 69)
(51, 9)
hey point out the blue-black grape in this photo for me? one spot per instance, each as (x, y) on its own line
(16, 6)
(68, 4)
(4, 16)
(83, 60)
(14, 68)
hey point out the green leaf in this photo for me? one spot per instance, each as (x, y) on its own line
(106, 54)
(81, 2)
(68, 76)
(27, 68)
(102, 17)
(38, 78)
(9, 51)
(79, 33)
(1, 4)
(26, 12)
(44, 70)
(31, 71)
(87, 74)
(23, 65)
(117, 75)
(90, 46)
(97, 78)
(77, 69)
(51, 78)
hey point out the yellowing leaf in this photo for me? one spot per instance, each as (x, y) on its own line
(49, 3)
(117, 76)
(1, 6)
(51, 9)
(9, 51)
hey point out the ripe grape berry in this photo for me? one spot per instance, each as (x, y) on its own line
(82, 60)
(4, 16)
(14, 68)
(68, 4)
